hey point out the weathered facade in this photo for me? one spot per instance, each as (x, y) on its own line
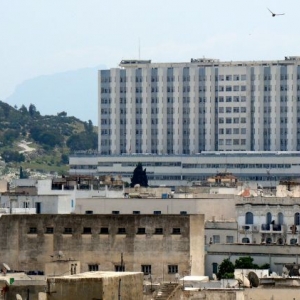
(96, 285)
(160, 245)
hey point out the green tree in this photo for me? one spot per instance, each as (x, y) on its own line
(12, 156)
(83, 141)
(64, 159)
(139, 176)
(23, 109)
(245, 262)
(226, 269)
(62, 114)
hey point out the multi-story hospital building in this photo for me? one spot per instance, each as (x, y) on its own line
(176, 112)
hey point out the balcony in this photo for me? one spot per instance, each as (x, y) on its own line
(245, 228)
(271, 228)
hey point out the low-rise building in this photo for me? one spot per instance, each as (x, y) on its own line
(160, 245)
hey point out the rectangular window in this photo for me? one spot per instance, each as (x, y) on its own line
(146, 269)
(49, 230)
(172, 269)
(119, 268)
(104, 230)
(159, 231)
(228, 142)
(68, 230)
(136, 212)
(141, 230)
(216, 239)
(115, 212)
(229, 239)
(121, 230)
(87, 230)
(236, 130)
(176, 231)
(183, 212)
(32, 230)
(93, 268)
(157, 212)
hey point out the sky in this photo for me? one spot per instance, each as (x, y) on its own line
(44, 37)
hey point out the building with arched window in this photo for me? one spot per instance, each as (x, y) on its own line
(268, 220)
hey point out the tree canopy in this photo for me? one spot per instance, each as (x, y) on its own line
(226, 268)
(139, 176)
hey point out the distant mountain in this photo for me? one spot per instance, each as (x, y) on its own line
(74, 92)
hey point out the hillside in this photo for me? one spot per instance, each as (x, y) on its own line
(36, 142)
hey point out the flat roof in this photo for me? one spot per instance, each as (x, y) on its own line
(97, 274)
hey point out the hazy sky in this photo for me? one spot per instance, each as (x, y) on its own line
(41, 37)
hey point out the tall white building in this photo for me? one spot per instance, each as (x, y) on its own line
(187, 121)
(204, 105)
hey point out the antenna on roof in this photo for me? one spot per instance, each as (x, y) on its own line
(139, 48)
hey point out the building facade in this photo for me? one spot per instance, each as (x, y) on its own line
(157, 245)
(203, 105)
(263, 167)
(176, 118)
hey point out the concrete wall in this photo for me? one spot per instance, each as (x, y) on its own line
(197, 242)
(127, 286)
(3, 186)
(50, 204)
(275, 255)
(212, 206)
(30, 251)
(62, 267)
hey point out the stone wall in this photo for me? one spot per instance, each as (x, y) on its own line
(124, 285)
(27, 242)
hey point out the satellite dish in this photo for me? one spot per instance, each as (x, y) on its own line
(177, 276)
(214, 276)
(253, 278)
(18, 297)
(60, 254)
(285, 270)
(6, 266)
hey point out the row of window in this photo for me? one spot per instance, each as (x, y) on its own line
(229, 142)
(269, 218)
(232, 120)
(105, 230)
(201, 99)
(234, 109)
(236, 166)
(232, 130)
(235, 77)
(146, 269)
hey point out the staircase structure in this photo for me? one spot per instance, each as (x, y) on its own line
(166, 290)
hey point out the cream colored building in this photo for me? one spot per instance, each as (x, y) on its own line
(96, 285)
(160, 245)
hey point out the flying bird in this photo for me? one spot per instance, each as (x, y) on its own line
(273, 14)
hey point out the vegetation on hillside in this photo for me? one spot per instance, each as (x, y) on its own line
(52, 137)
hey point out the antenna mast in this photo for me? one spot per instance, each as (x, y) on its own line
(139, 48)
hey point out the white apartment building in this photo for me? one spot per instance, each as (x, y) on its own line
(167, 115)
(204, 105)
